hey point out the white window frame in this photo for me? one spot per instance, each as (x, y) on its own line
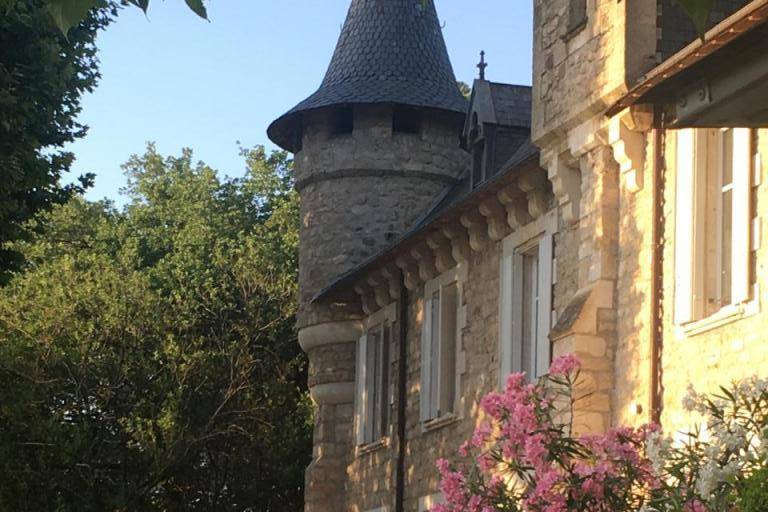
(430, 395)
(364, 408)
(697, 197)
(539, 233)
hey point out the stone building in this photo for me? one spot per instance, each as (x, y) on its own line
(613, 211)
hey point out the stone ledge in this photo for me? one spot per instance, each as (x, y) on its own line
(329, 334)
(333, 393)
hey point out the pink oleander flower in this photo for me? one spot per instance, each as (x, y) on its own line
(564, 365)
(481, 435)
(695, 505)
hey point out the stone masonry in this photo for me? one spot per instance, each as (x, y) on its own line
(385, 211)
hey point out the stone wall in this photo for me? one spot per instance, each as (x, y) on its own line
(633, 291)
(576, 76)
(360, 191)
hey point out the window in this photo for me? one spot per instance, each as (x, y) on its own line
(714, 251)
(343, 121)
(577, 16)
(526, 303)
(477, 144)
(373, 397)
(406, 119)
(440, 347)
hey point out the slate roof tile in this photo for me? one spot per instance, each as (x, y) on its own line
(389, 51)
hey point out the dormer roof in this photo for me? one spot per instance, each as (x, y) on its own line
(499, 104)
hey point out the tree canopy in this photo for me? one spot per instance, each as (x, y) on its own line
(148, 358)
(42, 78)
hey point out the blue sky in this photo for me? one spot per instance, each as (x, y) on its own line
(174, 79)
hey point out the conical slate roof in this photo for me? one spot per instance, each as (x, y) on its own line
(389, 51)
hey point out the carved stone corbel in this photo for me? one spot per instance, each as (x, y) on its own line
(477, 228)
(533, 183)
(380, 288)
(515, 202)
(459, 238)
(496, 217)
(566, 184)
(425, 260)
(392, 274)
(367, 298)
(410, 271)
(626, 135)
(441, 246)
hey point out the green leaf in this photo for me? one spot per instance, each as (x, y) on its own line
(141, 4)
(198, 8)
(698, 11)
(7, 5)
(68, 13)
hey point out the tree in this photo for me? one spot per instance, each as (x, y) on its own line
(69, 13)
(148, 359)
(42, 78)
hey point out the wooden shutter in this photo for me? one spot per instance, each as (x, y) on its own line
(742, 214)
(360, 395)
(545, 305)
(684, 226)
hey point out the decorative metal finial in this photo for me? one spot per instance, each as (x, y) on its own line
(482, 65)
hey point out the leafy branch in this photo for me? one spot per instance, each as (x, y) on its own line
(68, 13)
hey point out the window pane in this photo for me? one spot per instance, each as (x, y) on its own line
(434, 370)
(383, 410)
(372, 378)
(530, 311)
(727, 247)
(448, 348)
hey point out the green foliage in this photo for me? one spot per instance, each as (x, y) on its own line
(42, 78)
(698, 11)
(754, 496)
(69, 13)
(148, 359)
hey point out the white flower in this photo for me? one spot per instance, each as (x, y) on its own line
(709, 477)
(657, 449)
(691, 399)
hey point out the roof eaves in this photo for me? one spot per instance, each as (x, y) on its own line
(523, 160)
(742, 21)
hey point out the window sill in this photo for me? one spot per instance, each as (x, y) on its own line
(375, 446)
(726, 315)
(438, 423)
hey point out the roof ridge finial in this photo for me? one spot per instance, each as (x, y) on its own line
(482, 65)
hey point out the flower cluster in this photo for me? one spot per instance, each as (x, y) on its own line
(710, 469)
(527, 458)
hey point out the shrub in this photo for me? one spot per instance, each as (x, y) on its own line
(526, 458)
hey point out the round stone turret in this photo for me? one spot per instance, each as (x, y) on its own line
(361, 190)
(374, 146)
(375, 143)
